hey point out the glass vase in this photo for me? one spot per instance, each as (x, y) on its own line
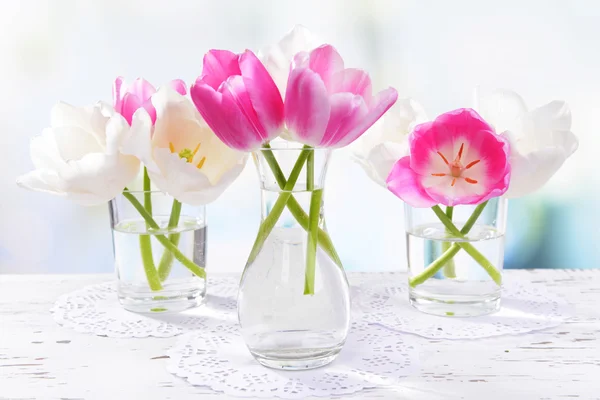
(293, 302)
(455, 257)
(160, 252)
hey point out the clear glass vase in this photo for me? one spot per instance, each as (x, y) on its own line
(293, 302)
(160, 252)
(456, 269)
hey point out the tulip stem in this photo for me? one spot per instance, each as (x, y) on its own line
(449, 267)
(311, 247)
(146, 241)
(166, 261)
(313, 225)
(455, 247)
(310, 172)
(296, 209)
(266, 227)
(179, 256)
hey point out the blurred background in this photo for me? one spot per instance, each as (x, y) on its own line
(433, 51)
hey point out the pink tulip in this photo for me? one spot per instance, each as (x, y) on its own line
(327, 105)
(128, 99)
(238, 99)
(455, 159)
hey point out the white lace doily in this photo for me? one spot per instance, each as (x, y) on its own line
(526, 307)
(372, 356)
(95, 309)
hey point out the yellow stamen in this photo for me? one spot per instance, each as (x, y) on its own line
(201, 163)
(171, 147)
(195, 150)
(453, 182)
(438, 174)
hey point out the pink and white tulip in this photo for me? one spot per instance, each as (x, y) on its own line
(455, 159)
(128, 98)
(183, 156)
(327, 105)
(238, 99)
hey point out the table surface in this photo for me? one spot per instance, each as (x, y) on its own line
(41, 360)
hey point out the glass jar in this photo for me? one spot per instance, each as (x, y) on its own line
(160, 252)
(456, 269)
(293, 303)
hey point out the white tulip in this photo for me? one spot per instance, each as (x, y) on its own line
(541, 139)
(183, 156)
(80, 156)
(386, 141)
(278, 57)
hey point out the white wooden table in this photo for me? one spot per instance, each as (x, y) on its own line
(41, 360)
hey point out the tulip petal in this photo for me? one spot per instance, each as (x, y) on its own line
(150, 109)
(502, 109)
(380, 160)
(379, 105)
(306, 106)
(404, 183)
(224, 117)
(137, 141)
(73, 143)
(42, 180)
(142, 89)
(101, 175)
(218, 65)
(237, 100)
(130, 104)
(264, 96)
(353, 81)
(326, 61)
(531, 171)
(179, 86)
(347, 110)
(548, 126)
(44, 151)
(187, 183)
(117, 93)
(277, 58)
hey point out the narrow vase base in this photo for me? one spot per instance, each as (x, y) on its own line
(153, 303)
(297, 360)
(460, 306)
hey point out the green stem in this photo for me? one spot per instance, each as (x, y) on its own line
(146, 241)
(310, 171)
(269, 223)
(473, 218)
(179, 256)
(166, 261)
(311, 247)
(469, 248)
(434, 267)
(449, 267)
(147, 192)
(296, 209)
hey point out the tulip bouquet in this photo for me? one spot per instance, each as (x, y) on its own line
(466, 158)
(302, 93)
(90, 155)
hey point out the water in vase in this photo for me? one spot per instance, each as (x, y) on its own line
(462, 282)
(181, 289)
